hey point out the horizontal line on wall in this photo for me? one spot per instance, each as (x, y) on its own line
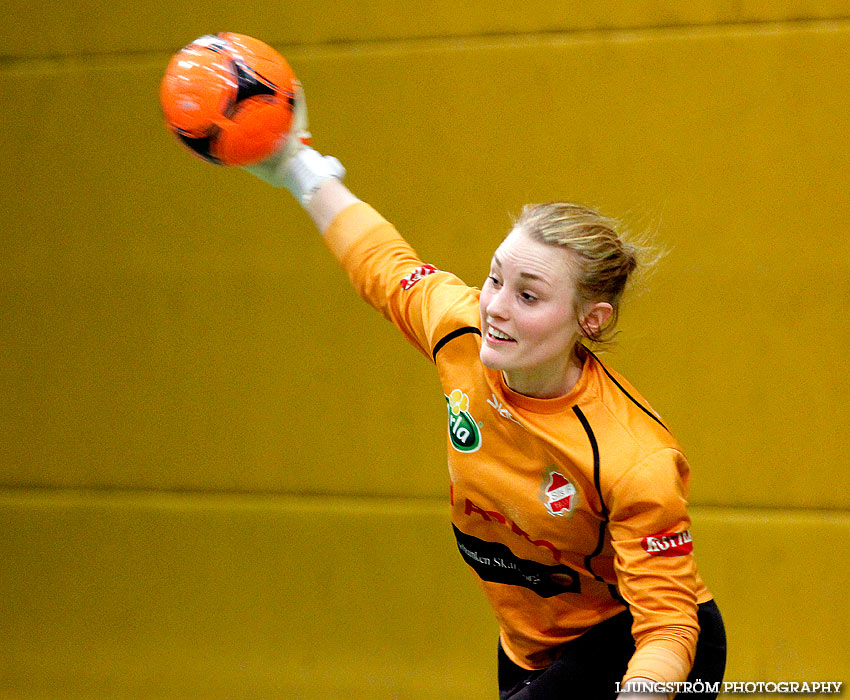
(764, 514)
(212, 498)
(577, 35)
(216, 498)
(136, 59)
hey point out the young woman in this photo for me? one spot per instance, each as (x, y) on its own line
(568, 493)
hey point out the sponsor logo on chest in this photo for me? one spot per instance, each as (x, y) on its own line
(464, 432)
(559, 495)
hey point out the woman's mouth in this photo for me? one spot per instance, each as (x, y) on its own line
(495, 336)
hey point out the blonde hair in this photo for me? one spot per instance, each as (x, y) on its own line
(606, 257)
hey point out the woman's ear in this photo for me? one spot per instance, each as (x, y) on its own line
(595, 317)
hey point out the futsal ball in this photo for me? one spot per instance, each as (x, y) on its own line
(229, 98)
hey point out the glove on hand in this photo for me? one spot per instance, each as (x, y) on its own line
(295, 165)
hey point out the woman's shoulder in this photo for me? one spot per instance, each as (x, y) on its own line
(626, 423)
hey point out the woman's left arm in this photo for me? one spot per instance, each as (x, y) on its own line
(656, 571)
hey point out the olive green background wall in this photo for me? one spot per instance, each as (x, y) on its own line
(222, 475)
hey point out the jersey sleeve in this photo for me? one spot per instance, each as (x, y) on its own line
(656, 571)
(384, 269)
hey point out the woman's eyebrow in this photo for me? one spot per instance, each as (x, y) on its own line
(523, 275)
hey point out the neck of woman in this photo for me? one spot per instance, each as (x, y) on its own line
(550, 381)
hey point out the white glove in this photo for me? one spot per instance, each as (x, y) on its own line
(295, 165)
(305, 172)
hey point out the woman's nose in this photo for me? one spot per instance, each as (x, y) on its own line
(497, 306)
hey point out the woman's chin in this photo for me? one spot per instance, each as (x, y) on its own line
(492, 359)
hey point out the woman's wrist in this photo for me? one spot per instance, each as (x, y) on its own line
(328, 201)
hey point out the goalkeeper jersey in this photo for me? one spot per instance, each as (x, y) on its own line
(567, 509)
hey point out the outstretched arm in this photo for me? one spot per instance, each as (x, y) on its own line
(316, 182)
(313, 179)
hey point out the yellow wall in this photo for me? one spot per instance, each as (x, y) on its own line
(199, 500)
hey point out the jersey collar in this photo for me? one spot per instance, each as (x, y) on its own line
(535, 405)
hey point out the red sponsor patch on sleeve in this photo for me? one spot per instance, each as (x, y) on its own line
(668, 544)
(417, 275)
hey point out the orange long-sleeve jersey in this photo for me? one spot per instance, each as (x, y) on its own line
(567, 509)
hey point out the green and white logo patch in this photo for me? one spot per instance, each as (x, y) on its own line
(463, 430)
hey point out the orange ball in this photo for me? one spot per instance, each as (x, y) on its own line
(229, 98)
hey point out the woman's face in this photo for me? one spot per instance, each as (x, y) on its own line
(528, 321)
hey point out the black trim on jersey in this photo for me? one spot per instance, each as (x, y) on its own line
(632, 398)
(451, 336)
(615, 594)
(588, 560)
(495, 562)
(595, 447)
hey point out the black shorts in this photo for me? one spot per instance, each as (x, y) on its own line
(589, 667)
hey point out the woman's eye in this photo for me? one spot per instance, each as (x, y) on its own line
(493, 280)
(526, 296)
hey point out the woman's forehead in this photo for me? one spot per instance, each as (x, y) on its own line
(523, 255)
